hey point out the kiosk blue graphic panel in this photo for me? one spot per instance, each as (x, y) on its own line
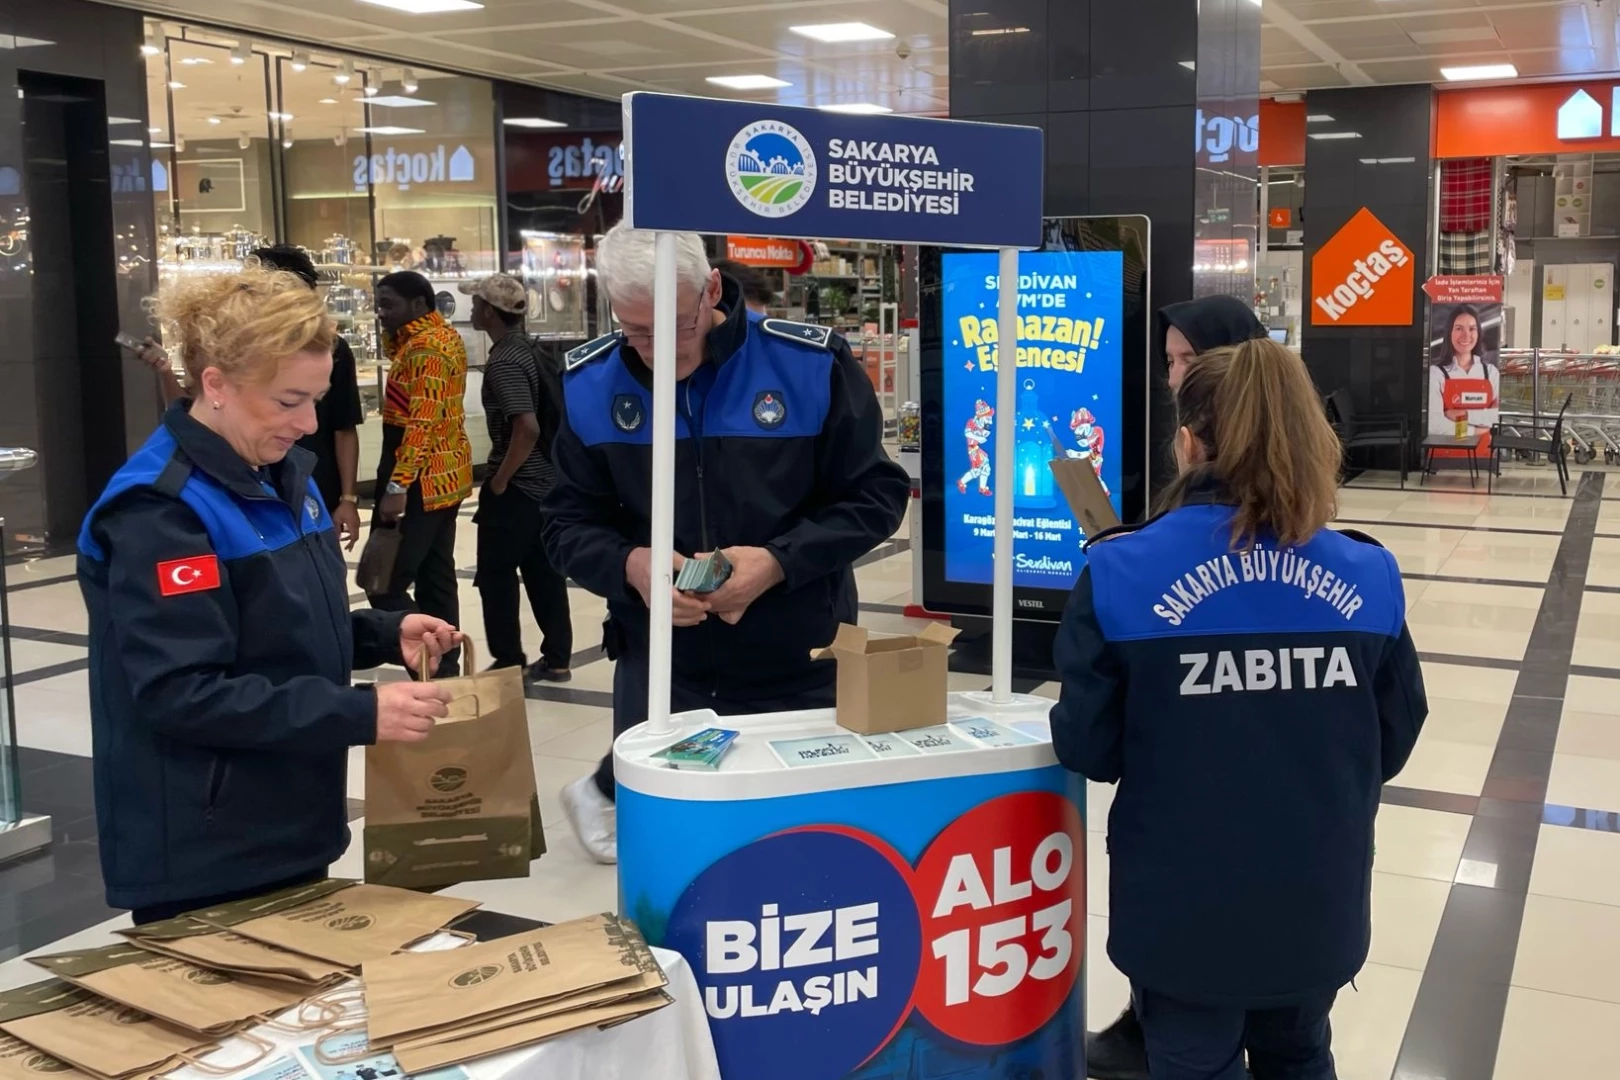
(1070, 363)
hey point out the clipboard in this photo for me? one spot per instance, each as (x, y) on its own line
(1082, 491)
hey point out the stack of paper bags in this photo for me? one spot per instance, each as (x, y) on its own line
(338, 921)
(100, 1038)
(443, 1008)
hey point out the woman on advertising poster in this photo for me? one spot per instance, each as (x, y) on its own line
(1462, 374)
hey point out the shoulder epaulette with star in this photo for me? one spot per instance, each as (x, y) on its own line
(591, 350)
(803, 333)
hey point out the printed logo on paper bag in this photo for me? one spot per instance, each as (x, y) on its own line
(1363, 276)
(475, 976)
(44, 1063)
(771, 168)
(204, 977)
(823, 939)
(448, 779)
(350, 922)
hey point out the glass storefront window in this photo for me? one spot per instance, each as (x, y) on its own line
(370, 168)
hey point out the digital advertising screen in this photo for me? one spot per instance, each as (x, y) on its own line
(1081, 394)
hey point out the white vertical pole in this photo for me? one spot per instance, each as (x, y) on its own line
(663, 484)
(1004, 476)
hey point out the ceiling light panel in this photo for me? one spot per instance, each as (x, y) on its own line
(425, 7)
(832, 33)
(747, 82)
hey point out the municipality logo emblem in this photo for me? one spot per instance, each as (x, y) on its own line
(771, 169)
(475, 976)
(769, 409)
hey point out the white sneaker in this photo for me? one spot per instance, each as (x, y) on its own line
(594, 817)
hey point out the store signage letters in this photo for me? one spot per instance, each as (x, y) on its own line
(1217, 136)
(731, 167)
(764, 251)
(585, 160)
(1363, 276)
(403, 168)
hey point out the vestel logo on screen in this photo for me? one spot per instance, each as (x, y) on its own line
(771, 168)
(1362, 277)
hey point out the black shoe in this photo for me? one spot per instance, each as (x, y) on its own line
(502, 665)
(1118, 1052)
(541, 671)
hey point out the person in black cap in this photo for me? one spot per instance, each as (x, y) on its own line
(1197, 326)
(1184, 331)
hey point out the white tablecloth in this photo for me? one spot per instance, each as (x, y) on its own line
(670, 1044)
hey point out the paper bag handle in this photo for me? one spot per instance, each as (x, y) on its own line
(424, 657)
(265, 1048)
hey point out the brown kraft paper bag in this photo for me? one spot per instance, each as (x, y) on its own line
(348, 926)
(460, 805)
(19, 1061)
(418, 1060)
(185, 938)
(651, 977)
(97, 1036)
(413, 993)
(197, 998)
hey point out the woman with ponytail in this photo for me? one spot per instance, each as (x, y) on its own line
(1245, 675)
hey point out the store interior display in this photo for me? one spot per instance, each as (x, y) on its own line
(368, 168)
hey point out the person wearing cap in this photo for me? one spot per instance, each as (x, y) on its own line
(1193, 327)
(523, 407)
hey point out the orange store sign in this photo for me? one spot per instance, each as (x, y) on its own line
(1549, 118)
(764, 251)
(1362, 277)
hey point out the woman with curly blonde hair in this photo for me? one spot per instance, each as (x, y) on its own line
(221, 644)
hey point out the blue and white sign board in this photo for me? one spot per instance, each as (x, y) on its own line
(700, 165)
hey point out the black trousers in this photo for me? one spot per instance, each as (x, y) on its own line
(630, 704)
(425, 567)
(1198, 1042)
(161, 912)
(509, 544)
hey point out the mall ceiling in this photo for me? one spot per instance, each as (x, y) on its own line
(608, 47)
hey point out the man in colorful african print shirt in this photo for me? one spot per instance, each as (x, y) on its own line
(426, 469)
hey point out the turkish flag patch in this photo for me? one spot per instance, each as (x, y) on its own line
(180, 576)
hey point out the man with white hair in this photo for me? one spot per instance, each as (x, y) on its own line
(779, 463)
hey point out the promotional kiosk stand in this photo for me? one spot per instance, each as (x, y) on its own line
(853, 906)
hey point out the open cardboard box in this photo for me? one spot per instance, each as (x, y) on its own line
(890, 683)
(1084, 493)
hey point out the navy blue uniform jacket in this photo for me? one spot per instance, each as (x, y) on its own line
(222, 714)
(779, 445)
(1250, 706)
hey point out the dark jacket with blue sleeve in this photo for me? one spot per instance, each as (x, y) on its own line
(779, 444)
(1250, 706)
(221, 651)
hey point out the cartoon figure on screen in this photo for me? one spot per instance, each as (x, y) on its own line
(977, 434)
(1089, 435)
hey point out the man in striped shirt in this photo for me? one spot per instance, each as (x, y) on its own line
(522, 405)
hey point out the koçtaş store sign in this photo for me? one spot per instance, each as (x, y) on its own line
(1364, 276)
(403, 168)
